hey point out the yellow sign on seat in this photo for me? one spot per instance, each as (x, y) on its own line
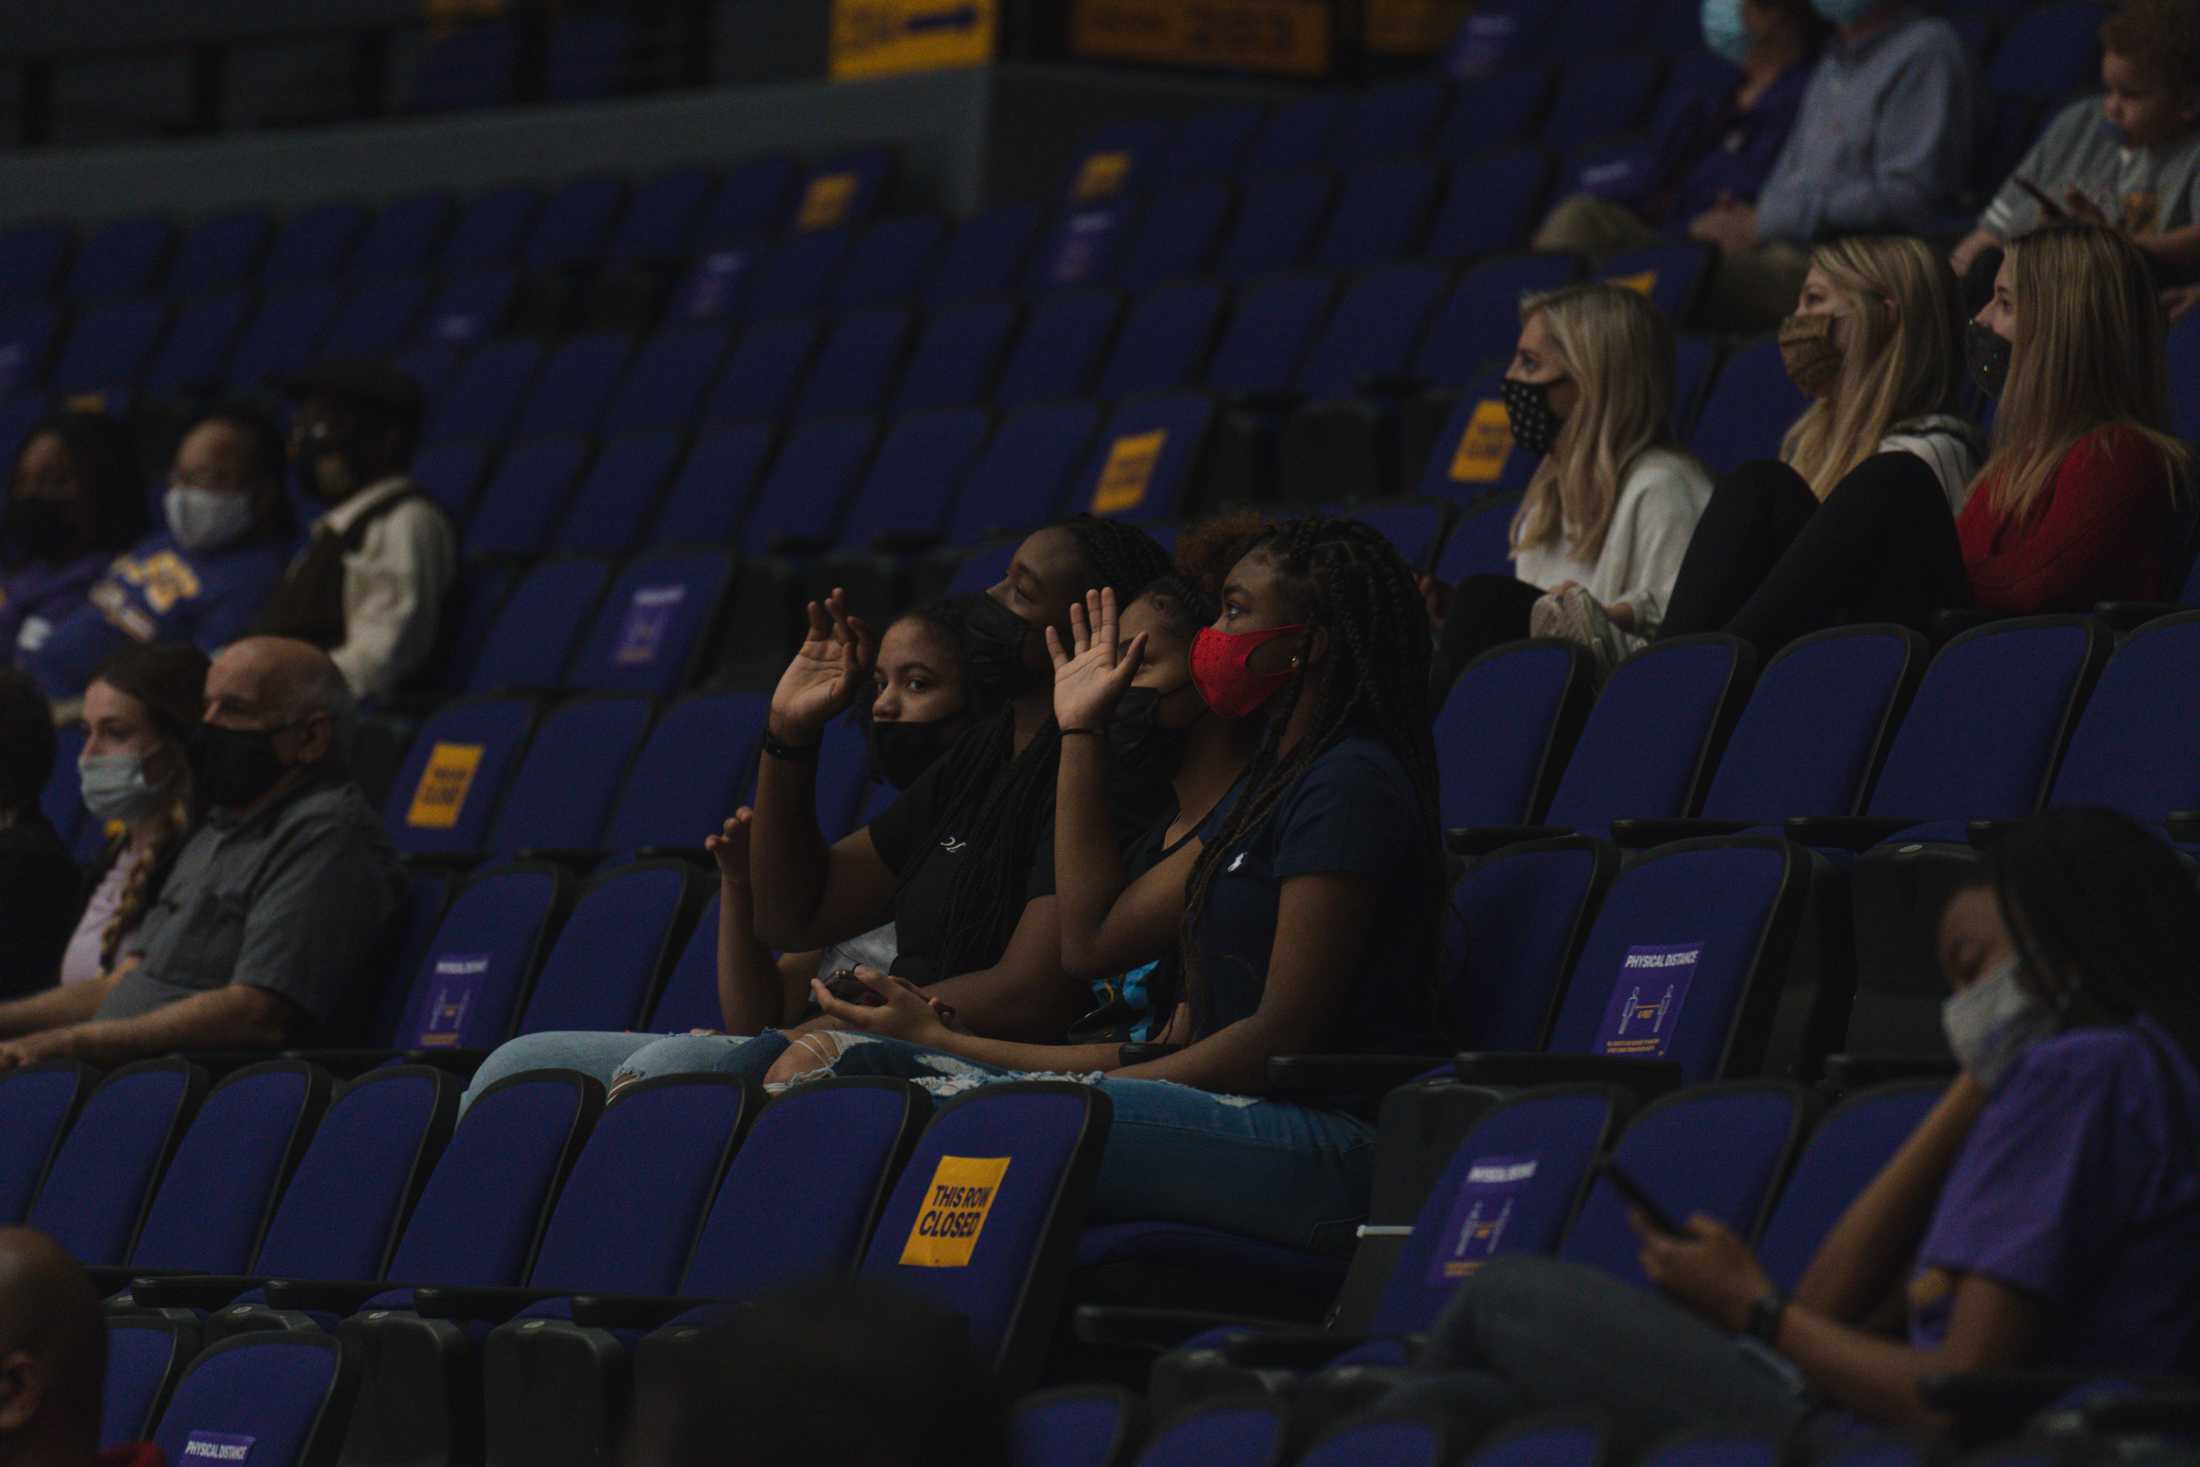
(825, 202)
(1641, 285)
(1129, 469)
(955, 1208)
(1483, 447)
(441, 793)
(1101, 177)
(873, 38)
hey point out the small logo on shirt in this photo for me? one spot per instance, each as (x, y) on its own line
(954, 845)
(1235, 862)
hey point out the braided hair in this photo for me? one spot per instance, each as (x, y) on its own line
(1190, 595)
(999, 800)
(1374, 684)
(169, 680)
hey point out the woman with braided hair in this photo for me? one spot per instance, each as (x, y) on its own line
(1306, 918)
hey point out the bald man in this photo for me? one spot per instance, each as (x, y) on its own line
(53, 1357)
(277, 915)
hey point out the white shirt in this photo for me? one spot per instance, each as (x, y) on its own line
(1660, 499)
(81, 959)
(1949, 446)
(394, 587)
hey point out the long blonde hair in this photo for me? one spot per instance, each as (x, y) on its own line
(1617, 350)
(1901, 353)
(2088, 354)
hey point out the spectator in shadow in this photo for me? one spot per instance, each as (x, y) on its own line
(38, 881)
(74, 503)
(53, 1360)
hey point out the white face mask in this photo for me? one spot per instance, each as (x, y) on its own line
(115, 787)
(202, 519)
(1993, 1022)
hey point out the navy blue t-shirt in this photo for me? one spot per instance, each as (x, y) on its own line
(1354, 812)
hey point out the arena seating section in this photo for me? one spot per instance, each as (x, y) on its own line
(665, 409)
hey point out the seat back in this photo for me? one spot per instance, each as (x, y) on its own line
(1148, 459)
(665, 383)
(857, 366)
(95, 1192)
(1816, 724)
(107, 346)
(1273, 324)
(1990, 720)
(1717, 1447)
(1075, 1426)
(2137, 747)
(1473, 455)
(1847, 1150)
(1758, 1124)
(655, 624)
(1751, 404)
(618, 496)
(1025, 471)
(985, 252)
(753, 200)
(612, 950)
(1513, 928)
(525, 499)
(122, 257)
(1510, 1187)
(1177, 234)
(798, 506)
(1684, 960)
(1059, 349)
(1670, 273)
(1480, 321)
(483, 959)
(713, 487)
(1507, 728)
(661, 218)
(1381, 1441)
(479, 1217)
(1164, 340)
(198, 344)
(889, 262)
(285, 333)
(220, 1188)
(802, 1194)
(760, 376)
(1491, 202)
(453, 776)
(1278, 216)
(957, 355)
(1382, 212)
(1246, 1431)
(691, 772)
(910, 489)
(1373, 330)
(145, 1355)
(561, 792)
(1655, 734)
(1213, 142)
(281, 1398)
(534, 631)
(1543, 1441)
(371, 1155)
(988, 1210)
(39, 1101)
(626, 1217)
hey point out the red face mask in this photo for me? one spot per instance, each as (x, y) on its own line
(1222, 669)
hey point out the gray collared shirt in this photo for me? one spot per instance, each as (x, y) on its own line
(1883, 140)
(299, 899)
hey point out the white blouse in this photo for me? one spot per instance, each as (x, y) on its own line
(1660, 500)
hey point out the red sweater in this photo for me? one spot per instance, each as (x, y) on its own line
(2099, 533)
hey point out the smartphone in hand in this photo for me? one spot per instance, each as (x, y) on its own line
(848, 988)
(1640, 1197)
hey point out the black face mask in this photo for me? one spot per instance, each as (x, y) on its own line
(1987, 354)
(1528, 408)
(901, 752)
(232, 767)
(994, 639)
(43, 529)
(1140, 746)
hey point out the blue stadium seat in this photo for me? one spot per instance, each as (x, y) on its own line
(661, 218)
(96, 1187)
(429, 887)
(700, 757)
(1059, 349)
(587, 57)
(1480, 542)
(799, 501)
(1413, 530)
(1671, 274)
(1599, 96)
(144, 1359)
(525, 496)
(689, 999)
(314, 244)
(857, 366)
(63, 801)
(1473, 456)
(1269, 333)
(1695, 362)
(1278, 218)
(983, 568)
(2133, 749)
(40, 1101)
(376, 317)
(1075, 1426)
(285, 333)
(404, 235)
(1082, 247)
(561, 793)
(617, 500)
(1254, 1433)
(123, 257)
(1391, 120)
(196, 352)
(576, 384)
(956, 356)
(447, 789)
(985, 255)
(470, 307)
(492, 229)
(760, 377)
(1501, 108)
(1177, 235)
(221, 252)
(1382, 213)
(655, 624)
(713, 487)
(108, 347)
(1211, 144)
(1507, 728)
(1024, 473)
(1749, 409)
(843, 775)
(464, 66)
(575, 224)
(451, 474)
(1148, 459)
(888, 264)
(613, 950)
(1382, 1441)
(432, 364)
(1716, 1446)
(1480, 322)
(31, 258)
(286, 1398)
(1164, 340)
(1543, 1441)
(26, 340)
(843, 189)
(2051, 52)
(753, 202)
(1373, 331)
(1512, 930)
(909, 492)
(482, 401)
(2184, 378)
(1845, 1152)
(1297, 134)
(482, 964)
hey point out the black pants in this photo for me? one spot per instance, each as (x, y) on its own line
(1769, 563)
(1485, 612)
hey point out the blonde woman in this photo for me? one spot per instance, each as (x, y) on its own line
(2079, 502)
(1856, 521)
(1608, 515)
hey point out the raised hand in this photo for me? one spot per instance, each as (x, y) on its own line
(1092, 673)
(730, 847)
(831, 667)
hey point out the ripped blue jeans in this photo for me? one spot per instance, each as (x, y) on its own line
(616, 1057)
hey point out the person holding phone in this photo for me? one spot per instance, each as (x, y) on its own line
(2046, 1212)
(2129, 158)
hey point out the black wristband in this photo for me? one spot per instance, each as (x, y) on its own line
(1090, 733)
(792, 753)
(1764, 1317)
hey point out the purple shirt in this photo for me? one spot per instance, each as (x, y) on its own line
(1735, 150)
(44, 595)
(2080, 1187)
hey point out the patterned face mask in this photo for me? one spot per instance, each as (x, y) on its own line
(1528, 408)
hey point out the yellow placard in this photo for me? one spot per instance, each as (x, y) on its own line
(1129, 469)
(1291, 37)
(825, 202)
(441, 793)
(1480, 457)
(1101, 177)
(1641, 284)
(888, 37)
(955, 1208)
(1412, 27)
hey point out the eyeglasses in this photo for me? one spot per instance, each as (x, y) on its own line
(213, 483)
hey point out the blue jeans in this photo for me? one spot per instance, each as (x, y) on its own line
(614, 1057)
(1267, 1169)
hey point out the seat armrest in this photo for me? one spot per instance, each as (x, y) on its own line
(1480, 840)
(113, 1278)
(1993, 1403)
(694, 855)
(2174, 1410)
(1847, 1073)
(1637, 835)
(490, 1305)
(2184, 826)
(1845, 832)
(1954, 622)
(2125, 616)
(458, 863)
(1144, 1054)
(576, 860)
(346, 1064)
(207, 1291)
(1643, 1077)
(1159, 1330)
(325, 1296)
(905, 541)
(1300, 1349)
(1367, 1075)
(630, 1311)
(1279, 401)
(1392, 386)
(1987, 834)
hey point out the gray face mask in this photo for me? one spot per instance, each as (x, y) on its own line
(115, 787)
(1993, 1022)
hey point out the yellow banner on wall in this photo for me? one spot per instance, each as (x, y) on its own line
(1412, 27)
(888, 37)
(1288, 36)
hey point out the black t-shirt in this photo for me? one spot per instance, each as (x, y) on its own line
(912, 837)
(41, 898)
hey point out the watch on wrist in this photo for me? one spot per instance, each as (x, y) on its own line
(1765, 1313)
